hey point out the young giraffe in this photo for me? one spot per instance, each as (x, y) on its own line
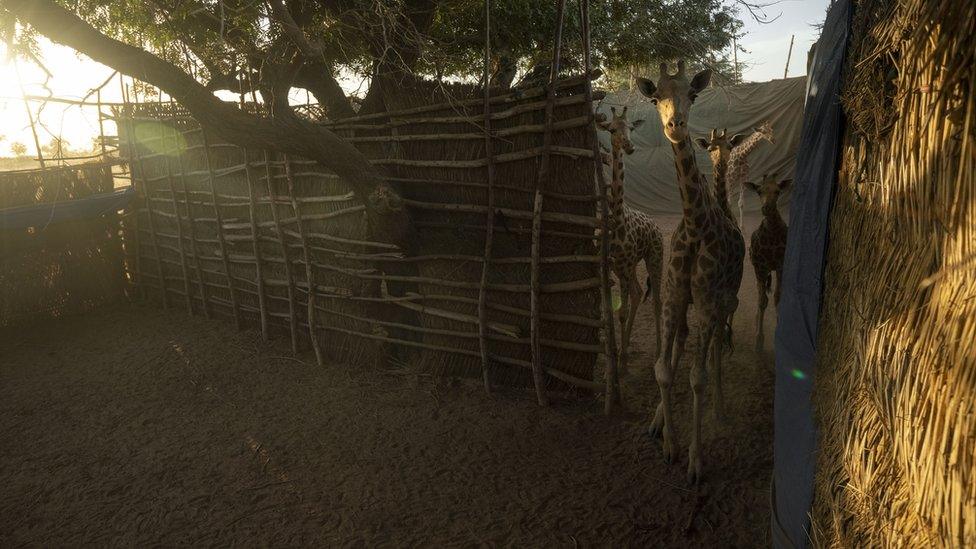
(633, 235)
(768, 246)
(739, 164)
(719, 146)
(707, 251)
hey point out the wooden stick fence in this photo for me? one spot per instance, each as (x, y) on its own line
(537, 310)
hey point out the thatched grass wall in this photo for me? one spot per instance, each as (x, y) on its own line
(56, 269)
(896, 387)
(431, 145)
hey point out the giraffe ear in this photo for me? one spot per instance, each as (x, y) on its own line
(701, 142)
(736, 139)
(646, 87)
(636, 124)
(601, 120)
(786, 183)
(700, 82)
(751, 186)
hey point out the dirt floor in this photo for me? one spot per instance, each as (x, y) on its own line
(135, 426)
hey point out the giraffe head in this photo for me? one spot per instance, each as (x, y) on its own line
(768, 190)
(719, 145)
(619, 129)
(673, 94)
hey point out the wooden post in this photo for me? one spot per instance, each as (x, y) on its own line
(134, 151)
(30, 115)
(179, 222)
(220, 231)
(789, 54)
(252, 195)
(612, 393)
(292, 315)
(101, 121)
(490, 217)
(306, 253)
(193, 230)
(541, 181)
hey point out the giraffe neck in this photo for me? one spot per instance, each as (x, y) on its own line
(721, 189)
(738, 167)
(694, 195)
(617, 187)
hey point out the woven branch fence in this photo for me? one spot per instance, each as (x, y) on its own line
(250, 235)
(52, 270)
(896, 392)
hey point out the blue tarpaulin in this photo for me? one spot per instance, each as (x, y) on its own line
(817, 164)
(42, 215)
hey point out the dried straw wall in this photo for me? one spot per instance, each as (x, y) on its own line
(209, 210)
(52, 270)
(896, 387)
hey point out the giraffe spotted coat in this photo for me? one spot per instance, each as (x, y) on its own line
(768, 246)
(738, 170)
(633, 235)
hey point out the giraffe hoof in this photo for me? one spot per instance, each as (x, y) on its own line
(668, 450)
(694, 472)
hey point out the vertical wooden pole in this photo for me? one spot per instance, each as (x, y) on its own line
(292, 314)
(177, 152)
(789, 54)
(204, 296)
(490, 219)
(306, 253)
(101, 120)
(147, 195)
(259, 267)
(220, 231)
(612, 395)
(535, 335)
(735, 58)
(30, 115)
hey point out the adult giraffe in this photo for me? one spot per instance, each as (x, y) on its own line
(705, 267)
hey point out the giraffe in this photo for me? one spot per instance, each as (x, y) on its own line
(719, 146)
(634, 237)
(768, 246)
(739, 162)
(705, 267)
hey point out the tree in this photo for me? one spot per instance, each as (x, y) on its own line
(190, 48)
(56, 148)
(18, 148)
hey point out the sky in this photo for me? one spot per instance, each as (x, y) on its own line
(72, 76)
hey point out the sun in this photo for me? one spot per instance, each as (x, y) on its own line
(64, 75)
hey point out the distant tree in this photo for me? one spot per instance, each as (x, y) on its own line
(18, 148)
(56, 148)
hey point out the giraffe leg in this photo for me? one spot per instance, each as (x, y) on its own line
(776, 291)
(674, 349)
(653, 264)
(634, 294)
(718, 398)
(698, 381)
(622, 317)
(762, 283)
(664, 375)
(742, 204)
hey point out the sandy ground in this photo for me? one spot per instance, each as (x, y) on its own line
(134, 426)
